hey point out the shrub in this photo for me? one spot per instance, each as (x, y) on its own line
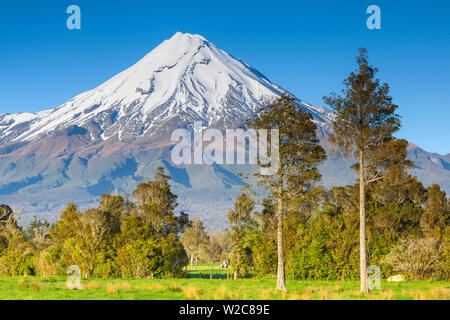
(419, 258)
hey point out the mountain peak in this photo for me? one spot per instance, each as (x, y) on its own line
(181, 35)
(179, 42)
(184, 79)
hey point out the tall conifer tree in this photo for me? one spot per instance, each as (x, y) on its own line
(299, 156)
(363, 128)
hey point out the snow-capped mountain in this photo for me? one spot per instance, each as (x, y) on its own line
(185, 78)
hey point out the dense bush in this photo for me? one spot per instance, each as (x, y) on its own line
(407, 232)
(117, 239)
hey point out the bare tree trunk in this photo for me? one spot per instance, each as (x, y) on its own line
(192, 259)
(281, 277)
(362, 227)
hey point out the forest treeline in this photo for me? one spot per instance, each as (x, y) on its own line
(119, 238)
(407, 232)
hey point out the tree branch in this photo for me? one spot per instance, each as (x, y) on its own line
(374, 179)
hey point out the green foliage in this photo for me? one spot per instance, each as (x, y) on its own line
(16, 255)
(263, 239)
(437, 213)
(264, 255)
(363, 128)
(240, 225)
(195, 239)
(37, 233)
(366, 116)
(217, 247)
(119, 238)
(155, 203)
(299, 155)
(324, 245)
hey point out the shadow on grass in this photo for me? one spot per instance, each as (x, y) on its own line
(207, 275)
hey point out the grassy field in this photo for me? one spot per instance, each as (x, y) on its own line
(199, 285)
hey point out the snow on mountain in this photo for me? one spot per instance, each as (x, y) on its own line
(185, 78)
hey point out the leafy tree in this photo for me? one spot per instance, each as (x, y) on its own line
(299, 156)
(116, 206)
(38, 233)
(155, 206)
(173, 257)
(212, 252)
(120, 238)
(156, 203)
(323, 246)
(135, 249)
(437, 213)
(16, 255)
(67, 225)
(264, 241)
(113, 203)
(266, 218)
(240, 221)
(182, 222)
(86, 239)
(142, 253)
(223, 239)
(399, 187)
(194, 239)
(5, 213)
(363, 128)
(446, 253)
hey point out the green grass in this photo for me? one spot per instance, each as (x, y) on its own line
(206, 271)
(40, 288)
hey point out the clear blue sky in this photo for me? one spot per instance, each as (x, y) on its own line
(307, 47)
